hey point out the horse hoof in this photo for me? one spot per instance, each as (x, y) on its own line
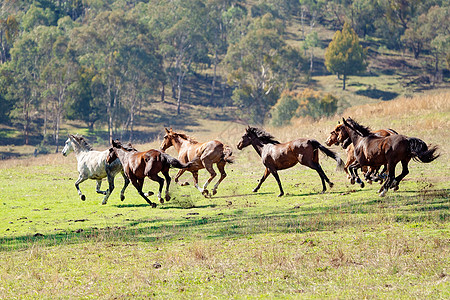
(104, 203)
(395, 188)
(161, 201)
(153, 205)
(150, 193)
(383, 193)
(205, 193)
(184, 183)
(168, 198)
(331, 184)
(281, 194)
(352, 181)
(122, 197)
(255, 190)
(361, 184)
(83, 197)
(214, 192)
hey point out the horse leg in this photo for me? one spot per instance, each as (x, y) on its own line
(110, 177)
(402, 175)
(180, 172)
(80, 179)
(195, 177)
(160, 180)
(167, 176)
(391, 177)
(275, 174)
(263, 178)
(350, 160)
(138, 184)
(126, 183)
(99, 185)
(210, 169)
(354, 171)
(221, 166)
(316, 166)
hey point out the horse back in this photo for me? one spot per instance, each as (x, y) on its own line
(93, 164)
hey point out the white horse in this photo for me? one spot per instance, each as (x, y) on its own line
(92, 165)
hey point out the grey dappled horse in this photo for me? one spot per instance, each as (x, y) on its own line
(92, 165)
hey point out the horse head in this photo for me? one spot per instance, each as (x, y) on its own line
(67, 146)
(168, 139)
(247, 138)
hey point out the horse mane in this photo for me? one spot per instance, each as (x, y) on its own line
(188, 138)
(360, 129)
(82, 142)
(128, 147)
(262, 135)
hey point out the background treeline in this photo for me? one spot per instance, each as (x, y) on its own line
(103, 62)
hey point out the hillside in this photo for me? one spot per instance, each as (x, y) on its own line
(138, 92)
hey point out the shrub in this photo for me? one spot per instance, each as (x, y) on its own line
(305, 103)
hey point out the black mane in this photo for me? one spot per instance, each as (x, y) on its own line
(360, 129)
(128, 147)
(262, 135)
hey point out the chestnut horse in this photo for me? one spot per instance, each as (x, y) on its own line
(202, 155)
(278, 156)
(138, 165)
(340, 136)
(375, 151)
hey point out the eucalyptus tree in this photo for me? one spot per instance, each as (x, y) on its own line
(260, 66)
(181, 27)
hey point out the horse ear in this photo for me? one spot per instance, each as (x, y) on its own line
(167, 130)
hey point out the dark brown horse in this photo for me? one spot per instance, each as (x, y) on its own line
(138, 165)
(340, 136)
(202, 155)
(279, 156)
(375, 151)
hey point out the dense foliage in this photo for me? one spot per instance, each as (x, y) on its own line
(102, 61)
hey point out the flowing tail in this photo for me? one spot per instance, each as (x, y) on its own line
(328, 152)
(421, 152)
(175, 163)
(227, 154)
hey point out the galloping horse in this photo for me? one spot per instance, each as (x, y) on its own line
(278, 156)
(92, 165)
(202, 155)
(340, 136)
(375, 151)
(138, 165)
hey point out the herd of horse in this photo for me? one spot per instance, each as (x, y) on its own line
(366, 150)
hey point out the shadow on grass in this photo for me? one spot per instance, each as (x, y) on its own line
(377, 94)
(241, 222)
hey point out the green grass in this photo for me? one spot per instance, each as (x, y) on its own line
(346, 243)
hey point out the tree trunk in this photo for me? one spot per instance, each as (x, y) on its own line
(213, 84)
(343, 81)
(163, 92)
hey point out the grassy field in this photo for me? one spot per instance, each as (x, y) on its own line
(346, 243)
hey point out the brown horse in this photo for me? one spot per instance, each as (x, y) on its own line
(278, 156)
(375, 151)
(138, 165)
(340, 136)
(202, 155)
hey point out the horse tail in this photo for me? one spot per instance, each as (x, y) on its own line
(175, 163)
(227, 154)
(421, 152)
(328, 152)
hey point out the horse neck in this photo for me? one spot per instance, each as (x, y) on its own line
(122, 154)
(78, 150)
(355, 137)
(179, 143)
(258, 145)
